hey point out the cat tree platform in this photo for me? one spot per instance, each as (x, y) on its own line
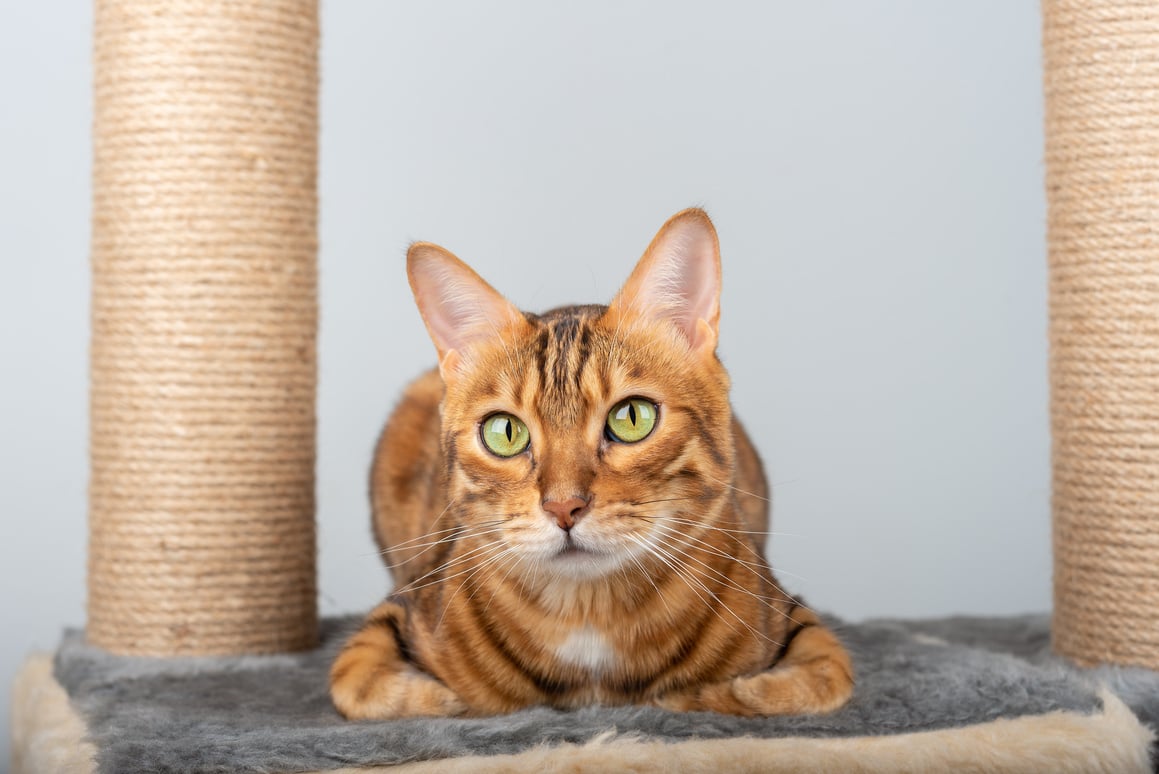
(201, 512)
(947, 695)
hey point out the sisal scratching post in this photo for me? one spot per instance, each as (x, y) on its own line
(201, 513)
(1102, 176)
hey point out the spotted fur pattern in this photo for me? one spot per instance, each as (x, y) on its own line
(658, 594)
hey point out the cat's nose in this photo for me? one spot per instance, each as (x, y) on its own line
(566, 512)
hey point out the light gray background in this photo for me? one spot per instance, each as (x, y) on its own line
(873, 169)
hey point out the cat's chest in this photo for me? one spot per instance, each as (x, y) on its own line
(587, 648)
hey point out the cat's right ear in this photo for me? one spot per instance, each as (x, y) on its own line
(459, 308)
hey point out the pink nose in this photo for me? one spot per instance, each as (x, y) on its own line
(566, 512)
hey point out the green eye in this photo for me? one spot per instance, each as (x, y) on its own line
(631, 420)
(504, 434)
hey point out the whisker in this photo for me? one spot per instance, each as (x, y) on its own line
(457, 527)
(761, 557)
(411, 543)
(468, 556)
(782, 571)
(435, 543)
(446, 578)
(443, 512)
(736, 586)
(718, 552)
(678, 541)
(694, 523)
(647, 575)
(451, 534)
(502, 581)
(692, 582)
(488, 562)
(755, 567)
(736, 488)
(424, 536)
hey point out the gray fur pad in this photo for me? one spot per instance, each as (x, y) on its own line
(273, 713)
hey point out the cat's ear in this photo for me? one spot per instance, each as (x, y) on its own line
(678, 280)
(459, 308)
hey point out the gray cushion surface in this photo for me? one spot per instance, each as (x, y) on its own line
(273, 713)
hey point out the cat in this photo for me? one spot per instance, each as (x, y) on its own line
(573, 516)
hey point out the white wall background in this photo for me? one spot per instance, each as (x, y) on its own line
(874, 172)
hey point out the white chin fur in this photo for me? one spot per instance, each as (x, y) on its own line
(547, 553)
(582, 566)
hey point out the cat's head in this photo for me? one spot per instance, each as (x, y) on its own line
(577, 437)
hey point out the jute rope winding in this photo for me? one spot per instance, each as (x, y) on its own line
(204, 325)
(1102, 179)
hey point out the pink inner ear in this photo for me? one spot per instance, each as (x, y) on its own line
(678, 279)
(449, 305)
(458, 307)
(697, 268)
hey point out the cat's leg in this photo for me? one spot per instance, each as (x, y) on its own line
(372, 678)
(815, 675)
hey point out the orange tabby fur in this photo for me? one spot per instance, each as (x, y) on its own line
(664, 598)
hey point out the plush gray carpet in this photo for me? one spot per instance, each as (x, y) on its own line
(273, 714)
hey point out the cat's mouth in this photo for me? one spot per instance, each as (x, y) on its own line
(578, 561)
(573, 550)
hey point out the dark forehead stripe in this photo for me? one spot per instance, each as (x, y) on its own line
(562, 349)
(564, 334)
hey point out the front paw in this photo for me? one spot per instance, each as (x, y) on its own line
(406, 693)
(763, 694)
(776, 692)
(818, 687)
(372, 679)
(814, 688)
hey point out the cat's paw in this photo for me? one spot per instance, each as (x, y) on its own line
(817, 687)
(401, 694)
(814, 676)
(371, 679)
(789, 690)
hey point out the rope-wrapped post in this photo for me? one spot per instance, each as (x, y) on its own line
(201, 502)
(1102, 179)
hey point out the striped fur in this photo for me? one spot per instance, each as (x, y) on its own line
(660, 593)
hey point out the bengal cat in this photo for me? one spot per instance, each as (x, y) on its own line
(573, 516)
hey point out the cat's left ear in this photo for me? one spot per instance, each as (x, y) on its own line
(678, 280)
